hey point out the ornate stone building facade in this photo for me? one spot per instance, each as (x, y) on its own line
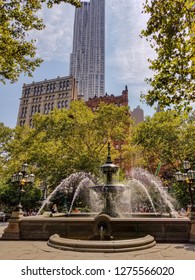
(120, 100)
(42, 97)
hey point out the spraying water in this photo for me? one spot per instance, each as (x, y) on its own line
(142, 187)
(67, 183)
(85, 183)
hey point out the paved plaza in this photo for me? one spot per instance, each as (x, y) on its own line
(39, 250)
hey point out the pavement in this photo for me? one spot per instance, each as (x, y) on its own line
(39, 250)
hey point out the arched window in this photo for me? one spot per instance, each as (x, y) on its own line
(31, 123)
(45, 109)
(62, 104)
(32, 110)
(66, 103)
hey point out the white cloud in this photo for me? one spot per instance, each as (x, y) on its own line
(55, 41)
(128, 53)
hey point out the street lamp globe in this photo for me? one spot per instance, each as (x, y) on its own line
(179, 176)
(191, 174)
(24, 167)
(186, 165)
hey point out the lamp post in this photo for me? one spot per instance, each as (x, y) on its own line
(189, 178)
(22, 178)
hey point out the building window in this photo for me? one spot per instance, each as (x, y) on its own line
(24, 112)
(62, 104)
(31, 123)
(22, 122)
(32, 110)
(45, 109)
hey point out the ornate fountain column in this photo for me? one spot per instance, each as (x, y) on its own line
(110, 189)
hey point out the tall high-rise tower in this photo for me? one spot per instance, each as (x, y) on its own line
(87, 61)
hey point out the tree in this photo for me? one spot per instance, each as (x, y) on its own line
(6, 134)
(67, 141)
(17, 52)
(170, 31)
(167, 138)
(9, 195)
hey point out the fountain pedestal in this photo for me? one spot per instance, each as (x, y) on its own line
(12, 232)
(110, 189)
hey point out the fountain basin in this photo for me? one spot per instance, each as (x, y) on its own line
(111, 246)
(163, 229)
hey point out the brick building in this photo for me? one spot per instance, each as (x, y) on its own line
(120, 100)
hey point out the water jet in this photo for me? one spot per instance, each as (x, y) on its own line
(117, 224)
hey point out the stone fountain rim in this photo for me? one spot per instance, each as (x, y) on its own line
(117, 219)
(108, 246)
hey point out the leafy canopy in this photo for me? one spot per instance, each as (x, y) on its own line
(67, 141)
(171, 33)
(17, 52)
(167, 137)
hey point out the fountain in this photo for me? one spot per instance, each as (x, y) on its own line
(118, 225)
(110, 189)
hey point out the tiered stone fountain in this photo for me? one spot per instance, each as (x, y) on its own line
(105, 231)
(103, 239)
(110, 190)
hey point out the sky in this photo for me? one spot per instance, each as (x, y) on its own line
(126, 54)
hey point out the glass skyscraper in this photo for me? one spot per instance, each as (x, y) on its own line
(87, 60)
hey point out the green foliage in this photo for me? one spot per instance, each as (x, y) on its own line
(6, 134)
(170, 31)
(169, 138)
(31, 198)
(9, 196)
(67, 141)
(17, 52)
(166, 137)
(180, 191)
